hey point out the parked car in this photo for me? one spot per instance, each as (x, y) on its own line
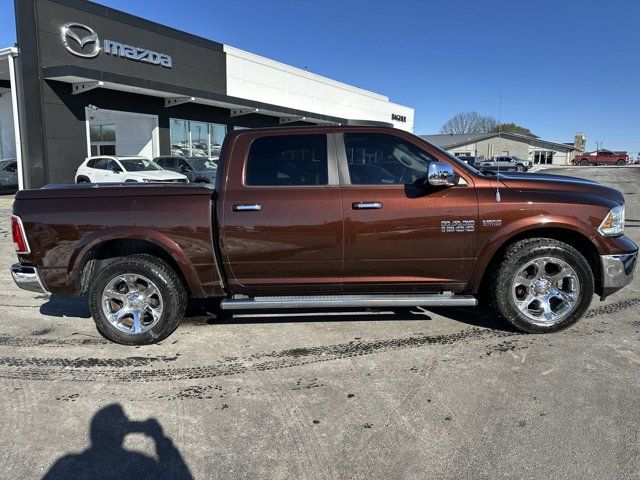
(506, 164)
(468, 159)
(196, 169)
(290, 226)
(107, 169)
(602, 157)
(8, 175)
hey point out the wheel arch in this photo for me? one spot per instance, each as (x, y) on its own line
(96, 253)
(572, 237)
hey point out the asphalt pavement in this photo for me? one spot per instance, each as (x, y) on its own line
(380, 393)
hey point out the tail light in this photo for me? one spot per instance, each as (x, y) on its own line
(19, 238)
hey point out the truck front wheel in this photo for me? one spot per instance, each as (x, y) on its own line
(137, 300)
(542, 285)
(584, 162)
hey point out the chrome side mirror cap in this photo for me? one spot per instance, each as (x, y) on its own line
(441, 174)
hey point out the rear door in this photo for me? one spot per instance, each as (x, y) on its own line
(280, 215)
(98, 172)
(399, 236)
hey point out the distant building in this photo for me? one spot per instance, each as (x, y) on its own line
(486, 145)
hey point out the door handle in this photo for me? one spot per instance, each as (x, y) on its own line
(366, 205)
(254, 207)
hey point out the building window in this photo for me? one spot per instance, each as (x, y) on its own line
(543, 157)
(103, 139)
(196, 139)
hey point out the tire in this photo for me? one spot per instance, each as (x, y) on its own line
(520, 168)
(584, 162)
(620, 162)
(83, 180)
(506, 290)
(151, 274)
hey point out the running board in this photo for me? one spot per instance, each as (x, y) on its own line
(344, 301)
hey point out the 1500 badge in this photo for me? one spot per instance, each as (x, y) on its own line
(449, 226)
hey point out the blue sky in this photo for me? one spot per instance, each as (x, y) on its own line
(561, 66)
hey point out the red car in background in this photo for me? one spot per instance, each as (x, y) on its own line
(602, 157)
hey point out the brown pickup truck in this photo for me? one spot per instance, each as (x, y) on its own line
(317, 217)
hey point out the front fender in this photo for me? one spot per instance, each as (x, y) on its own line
(486, 250)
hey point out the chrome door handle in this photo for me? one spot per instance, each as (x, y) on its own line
(254, 207)
(366, 205)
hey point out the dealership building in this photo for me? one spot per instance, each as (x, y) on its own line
(87, 80)
(487, 145)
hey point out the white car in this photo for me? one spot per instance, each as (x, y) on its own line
(108, 169)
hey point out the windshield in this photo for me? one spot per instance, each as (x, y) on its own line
(138, 165)
(199, 164)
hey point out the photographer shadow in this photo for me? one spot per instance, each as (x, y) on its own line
(107, 459)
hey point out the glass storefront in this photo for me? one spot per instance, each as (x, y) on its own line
(196, 139)
(543, 157)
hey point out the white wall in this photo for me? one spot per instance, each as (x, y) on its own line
(136, 134)
(257, 78)
(7, 133)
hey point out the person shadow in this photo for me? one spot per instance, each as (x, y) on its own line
(107, 459)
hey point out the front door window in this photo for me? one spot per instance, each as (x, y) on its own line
(381, 159)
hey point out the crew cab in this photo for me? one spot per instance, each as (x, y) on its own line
(505, 163)
(325, 217)
(602, 157)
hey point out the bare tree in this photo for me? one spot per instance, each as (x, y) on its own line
(469, 122)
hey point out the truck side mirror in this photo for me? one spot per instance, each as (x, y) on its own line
(441, 174)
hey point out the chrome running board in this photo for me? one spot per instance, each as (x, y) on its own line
(343, 301)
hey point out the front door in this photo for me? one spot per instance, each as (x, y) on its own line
(280, 215)
(399, 236)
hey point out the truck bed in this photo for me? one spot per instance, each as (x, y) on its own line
(80, 221)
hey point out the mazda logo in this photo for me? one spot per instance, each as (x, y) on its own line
(75, 43)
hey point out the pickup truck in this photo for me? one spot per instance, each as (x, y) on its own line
(505, 164)
(602, 157)
(326, 217)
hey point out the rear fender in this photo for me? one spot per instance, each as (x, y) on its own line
(79, 256)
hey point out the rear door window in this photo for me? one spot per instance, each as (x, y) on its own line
(288, 160)
(100, 163)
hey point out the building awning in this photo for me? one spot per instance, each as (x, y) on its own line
(85, 79)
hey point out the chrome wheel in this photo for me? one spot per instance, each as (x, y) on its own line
(132, 303)
(546, 290)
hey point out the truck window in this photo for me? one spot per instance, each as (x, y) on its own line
(381, 159)
(288, 160)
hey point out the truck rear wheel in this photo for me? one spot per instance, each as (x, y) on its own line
(137, 300)
(543, 285)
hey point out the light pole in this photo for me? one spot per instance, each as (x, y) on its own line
(598, 145)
